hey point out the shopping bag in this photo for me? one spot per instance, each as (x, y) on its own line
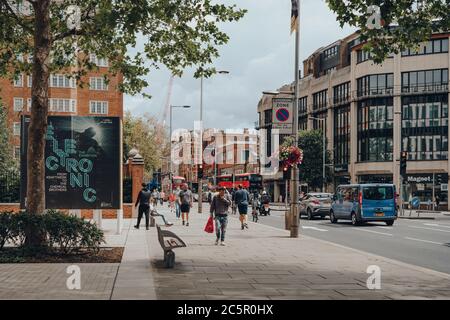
(210, 225)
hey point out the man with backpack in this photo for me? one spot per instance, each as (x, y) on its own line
(185, 199)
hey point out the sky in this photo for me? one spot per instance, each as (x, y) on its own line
(259, 57)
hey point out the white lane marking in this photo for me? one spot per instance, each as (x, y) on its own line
(314, 228)
(433, 229)
(435, 225)
(427, 241)
(383, 233)
(381, 227)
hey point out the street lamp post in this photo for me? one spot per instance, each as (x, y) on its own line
(324, 150)
(200, 179)
(170, 161)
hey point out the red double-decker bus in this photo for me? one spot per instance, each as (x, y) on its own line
(250, 181)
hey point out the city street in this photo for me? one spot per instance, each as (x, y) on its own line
(424, 243)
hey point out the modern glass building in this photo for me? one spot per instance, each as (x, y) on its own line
(374, 112)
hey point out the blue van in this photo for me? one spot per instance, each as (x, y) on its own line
(364, 202)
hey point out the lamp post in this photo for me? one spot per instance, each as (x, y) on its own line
(200, 180)
(324, 149)
(170, 163)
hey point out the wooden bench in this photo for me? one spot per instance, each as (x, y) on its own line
(169, 241)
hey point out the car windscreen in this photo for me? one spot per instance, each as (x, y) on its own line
(321, 195)
(378, 193)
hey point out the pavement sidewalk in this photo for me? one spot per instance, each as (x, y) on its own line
(259, 263)
(264, 263)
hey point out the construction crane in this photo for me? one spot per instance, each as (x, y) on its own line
(167, 105)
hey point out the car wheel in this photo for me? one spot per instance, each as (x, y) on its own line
(390, 222)
(309, 213)
(355, 221)
(332, 217)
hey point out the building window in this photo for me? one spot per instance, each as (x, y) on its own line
(303, 105)
(98, 83)
(99, 62)
(320, 100)
(425, 127)
(98, 107)
(29, 104)
(18, 82)
(30, 81)
(430, 47)
(376, 84)
(330, 53)
(425, 81)
(18, 104)
(362, 55)
(342, 135)
(320, 124)
(61, 81)
(341, 93)
(375, 123)
(16, 128)
(63, 105)
(268, 117)
(303, 123)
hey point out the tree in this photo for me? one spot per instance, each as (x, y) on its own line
(149, 137)
(311, 169)
(396, 25)
(60, 35)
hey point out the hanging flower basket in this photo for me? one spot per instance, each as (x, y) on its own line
(290, 156)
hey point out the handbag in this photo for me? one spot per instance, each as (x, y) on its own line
(209, 228)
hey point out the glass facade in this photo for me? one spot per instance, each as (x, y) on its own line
(342, 135)
(425, 127)
(341, 93)
(320, 100)
(376, 84)
(303, 105)
(430, 47)
(425, 81)
(375, 133)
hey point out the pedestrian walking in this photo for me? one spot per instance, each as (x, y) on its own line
(437, 200)
(155, 197)
(241, 200)
(186, 201)
(172, 200)
(143, 200)
(219, 211)
(255, 205)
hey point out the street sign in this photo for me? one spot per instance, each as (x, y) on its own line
(282, 115)
(415, 202)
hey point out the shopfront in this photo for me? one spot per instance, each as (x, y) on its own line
(427, 186)
(375, 178)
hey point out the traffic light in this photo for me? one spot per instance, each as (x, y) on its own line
(403, 160)
(286, 173)
(200, 172)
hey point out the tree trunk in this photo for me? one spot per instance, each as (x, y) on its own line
(38, 125)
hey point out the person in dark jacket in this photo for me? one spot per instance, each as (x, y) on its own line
(143, 200)
(241, 199)
(219, 211)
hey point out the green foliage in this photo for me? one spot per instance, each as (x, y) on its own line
(149, 137)
(7, 161)
(405, 23)
(64, 234)
(134, 35)
(311, 169)
(5, 228)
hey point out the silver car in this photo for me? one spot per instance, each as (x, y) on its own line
(316, 204)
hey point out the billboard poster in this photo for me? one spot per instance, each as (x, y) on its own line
(82, 162)
(282, 115)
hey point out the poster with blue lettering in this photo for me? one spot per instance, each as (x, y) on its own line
(82, 163)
